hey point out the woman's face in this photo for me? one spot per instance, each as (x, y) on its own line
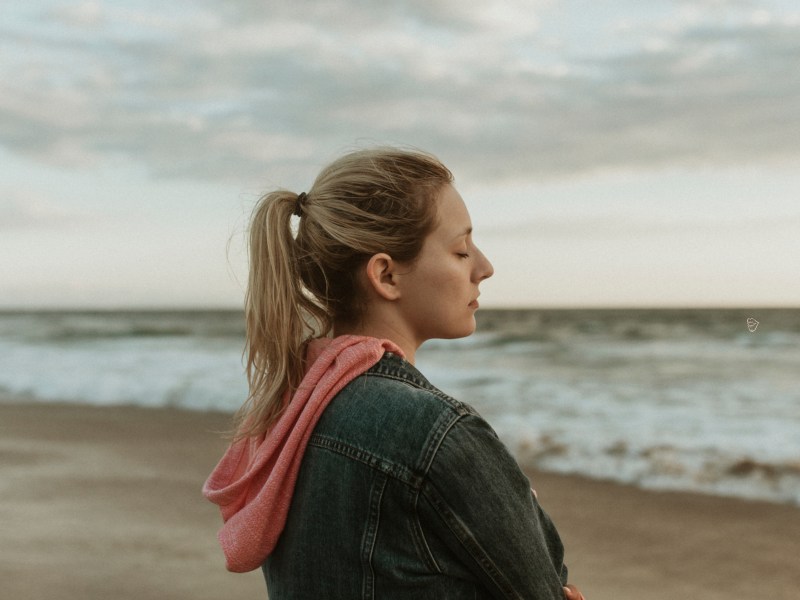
(439, 294)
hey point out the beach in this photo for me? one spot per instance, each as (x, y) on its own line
(105, 502)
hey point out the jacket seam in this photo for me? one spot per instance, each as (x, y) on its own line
(470, 544)
(421, 540)
(440, 432)
(387, 467)
(370, 539)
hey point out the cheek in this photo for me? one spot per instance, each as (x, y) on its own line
(454, 271)
(449, 283)
(444, 282)
(454, 287)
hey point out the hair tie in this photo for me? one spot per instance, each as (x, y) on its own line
(299, 204)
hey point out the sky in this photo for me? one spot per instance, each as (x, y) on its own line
(612, 154)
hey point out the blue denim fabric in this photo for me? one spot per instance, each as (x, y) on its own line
(405, 492)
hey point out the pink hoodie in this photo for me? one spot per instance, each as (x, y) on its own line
(254, 481)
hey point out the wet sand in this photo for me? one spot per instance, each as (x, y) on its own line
(105, 503)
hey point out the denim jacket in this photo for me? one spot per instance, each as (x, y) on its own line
(404, 492)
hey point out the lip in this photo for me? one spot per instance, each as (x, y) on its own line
(474, 304)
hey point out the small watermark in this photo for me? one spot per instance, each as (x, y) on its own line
(752, 324)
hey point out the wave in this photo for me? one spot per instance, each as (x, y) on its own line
(666, 399)
(666, 467)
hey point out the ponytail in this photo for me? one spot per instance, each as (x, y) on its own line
(279, 316)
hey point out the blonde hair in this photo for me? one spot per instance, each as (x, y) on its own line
(369, 201)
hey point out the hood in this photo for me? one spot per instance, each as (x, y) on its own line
(253, 483)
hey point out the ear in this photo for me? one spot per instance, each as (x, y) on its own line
(381, 274)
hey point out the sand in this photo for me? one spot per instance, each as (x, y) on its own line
(105, 503)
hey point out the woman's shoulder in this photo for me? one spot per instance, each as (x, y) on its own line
(396, 379)
(391, 411)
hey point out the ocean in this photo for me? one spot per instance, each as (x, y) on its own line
(704, 400)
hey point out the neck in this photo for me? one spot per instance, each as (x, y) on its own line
(381, 330)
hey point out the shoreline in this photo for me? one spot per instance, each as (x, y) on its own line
(105, 502)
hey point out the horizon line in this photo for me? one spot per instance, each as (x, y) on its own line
(227, 308)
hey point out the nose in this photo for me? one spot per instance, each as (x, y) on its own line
(483, 268)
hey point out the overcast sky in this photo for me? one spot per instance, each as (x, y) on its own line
(621, 153)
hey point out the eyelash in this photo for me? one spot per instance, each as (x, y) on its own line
(463, 255)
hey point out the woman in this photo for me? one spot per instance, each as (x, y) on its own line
(350, 475)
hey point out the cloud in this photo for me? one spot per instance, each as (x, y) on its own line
(624, 227)
(26, 210)
(231, 90)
